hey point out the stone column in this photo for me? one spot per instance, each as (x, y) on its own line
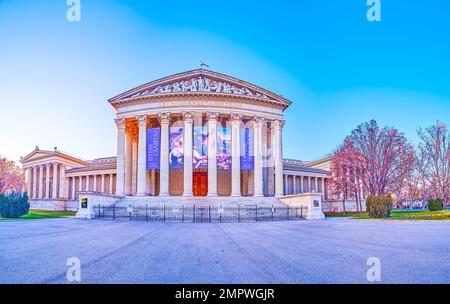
(258, 151)
(188, 171)
(142, 156)
(164, 119)
(55, 181)
(286, 184)
(316, 184)
(47, 181)
(302, 187)
(128, 163)
(102, 185)
(120, 177)
(278, 157)
(62, 182)
(29, 182)
(35, 182)
(111, 185)
(212, 154)
(80, 184)
(95, 183)
(41, 181)
(235, 155)
(294, 186)
(73, 187)
(309, 184)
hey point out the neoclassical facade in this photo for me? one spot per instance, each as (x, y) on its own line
(197, 134)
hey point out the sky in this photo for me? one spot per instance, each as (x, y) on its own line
(337, 68)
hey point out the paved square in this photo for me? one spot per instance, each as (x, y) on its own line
(330, 251)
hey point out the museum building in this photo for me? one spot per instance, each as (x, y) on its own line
(197, 136)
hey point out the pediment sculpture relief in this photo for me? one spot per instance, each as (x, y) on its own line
(200, 84)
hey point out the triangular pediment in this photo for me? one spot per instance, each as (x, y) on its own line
(200, 82)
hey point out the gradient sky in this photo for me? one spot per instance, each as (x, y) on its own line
(338, 69)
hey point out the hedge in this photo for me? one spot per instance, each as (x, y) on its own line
(13, 205)
(379, 206)
(436, 204)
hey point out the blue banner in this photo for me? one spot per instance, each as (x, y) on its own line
(176, 148)
(153, 148)
(223, 149)
(247, 143)
(200, 151)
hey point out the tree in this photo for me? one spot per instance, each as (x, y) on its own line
(434, 155)
(12, 179)
(376, 161)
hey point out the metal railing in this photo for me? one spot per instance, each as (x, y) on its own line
(201, 214)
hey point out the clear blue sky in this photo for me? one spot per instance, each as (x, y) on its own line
(337, 68)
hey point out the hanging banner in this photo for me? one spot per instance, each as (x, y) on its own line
(223, 149)
(176, 148)
(247, 143)
(153, 148)
(200, 151)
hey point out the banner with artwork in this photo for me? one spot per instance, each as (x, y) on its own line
(153, 148)
(223, 148)
(200, 151)
(176, 148)
(247, 150)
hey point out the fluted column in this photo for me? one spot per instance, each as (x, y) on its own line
(102, 185)
(316, 185)
(278, 157)
(55, 181)
(212, 154)
(41, 181)
(142, 156)
(128, 163)
(35, 181)
(111, 184)
(73, 187)
(120, 177)
(29, 181)
(80, 184)
(164, 119)
(258, 151)
(235, 155)
(62, 182)
(188, 171)
(309, 184)
(286, 184)
(294, 186)
(47, 181)
(95, 183)
(302, 190)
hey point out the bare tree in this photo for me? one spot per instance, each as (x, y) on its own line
(434, 155)
(11, 176)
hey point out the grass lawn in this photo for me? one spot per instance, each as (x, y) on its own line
(42, 214)
(400, 215)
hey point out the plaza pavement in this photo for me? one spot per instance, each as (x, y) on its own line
(330, 251)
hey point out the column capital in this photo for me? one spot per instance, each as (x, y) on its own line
(258, 120)
(236, 118)
(164, 118)
(120, 123)
(212, 116)
(142, 120)
(188, 117)
(278, 124)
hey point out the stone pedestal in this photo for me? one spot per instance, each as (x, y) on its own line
(312, 201)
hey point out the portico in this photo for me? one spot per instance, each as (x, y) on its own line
(215, 136)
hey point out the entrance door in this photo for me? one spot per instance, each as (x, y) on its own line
(200, 183)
